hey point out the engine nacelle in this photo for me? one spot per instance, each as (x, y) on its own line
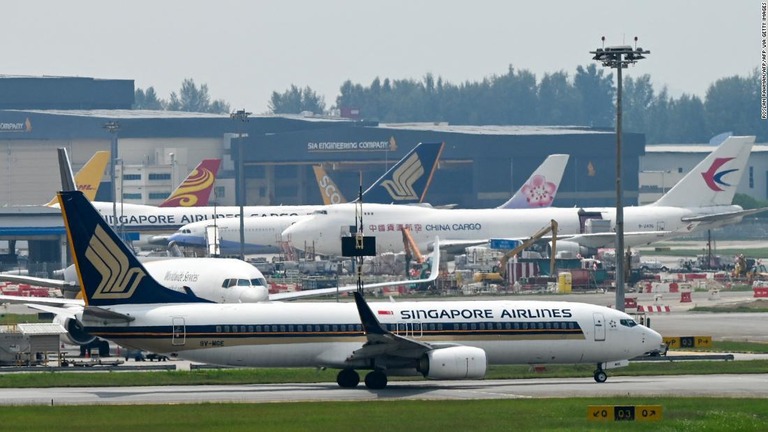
(568, 249)
(454, 363)
(75, 332)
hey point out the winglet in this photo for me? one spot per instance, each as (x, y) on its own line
(371, 324)
(541, 187)
(408, 180)
(196, 189)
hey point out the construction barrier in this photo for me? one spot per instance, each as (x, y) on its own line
(685, 297)
(630, 303)
(653, 308)
(760, 291)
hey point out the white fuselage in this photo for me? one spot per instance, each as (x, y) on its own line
(144, 218)
(323, 229)
(262, 235)
(326, 334)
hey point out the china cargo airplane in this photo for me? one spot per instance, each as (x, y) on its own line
(439, 340)
(701, 200)
(264, 234)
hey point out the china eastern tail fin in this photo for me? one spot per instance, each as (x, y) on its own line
(196, 189)
(714, 180)
(541, 187)
(90, 175)
(108, 271)
(328, 190)
(408, 180)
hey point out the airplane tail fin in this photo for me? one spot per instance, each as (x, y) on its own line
(714, 180)
(541, 187)
(108, 271)
(328, 190)
(90, 175)
(408, 180)
(196, 189)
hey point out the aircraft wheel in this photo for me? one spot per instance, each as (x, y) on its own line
(376, 380)
(347, 378)
(600, 376)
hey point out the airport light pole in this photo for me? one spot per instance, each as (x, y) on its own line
(113, 127)
(619, 57)
(242, 116)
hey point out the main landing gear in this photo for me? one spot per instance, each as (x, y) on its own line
(600, 375)
(374, 380)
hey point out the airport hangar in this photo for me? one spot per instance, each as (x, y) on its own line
(479, 166)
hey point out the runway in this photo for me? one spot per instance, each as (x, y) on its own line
(689, 385)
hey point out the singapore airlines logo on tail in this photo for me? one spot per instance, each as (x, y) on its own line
(713, 178)
(118, 280)
(401, 185)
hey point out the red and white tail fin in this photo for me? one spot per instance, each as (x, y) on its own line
(196, 189)
(714, 180)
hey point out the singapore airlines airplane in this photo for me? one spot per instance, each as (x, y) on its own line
(263, 235)
(439, 340)
(701, 200)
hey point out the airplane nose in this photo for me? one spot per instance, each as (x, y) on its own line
(253, 295)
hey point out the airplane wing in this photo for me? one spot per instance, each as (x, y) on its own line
(717, 217)
(608, 239)
(43, 282)
(433, 273)
(31, 301)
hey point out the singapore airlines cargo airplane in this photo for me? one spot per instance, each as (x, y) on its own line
(440, 340)
(701, 200)
(411, 176)
(264, 234)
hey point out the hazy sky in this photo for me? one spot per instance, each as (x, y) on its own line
(245, 50)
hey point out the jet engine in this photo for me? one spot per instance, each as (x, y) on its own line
(454, 363)
(75, 332)
(573, 249)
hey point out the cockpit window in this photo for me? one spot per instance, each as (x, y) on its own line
(320, 212)
(259, 282)
(243, 282)
(628, 322)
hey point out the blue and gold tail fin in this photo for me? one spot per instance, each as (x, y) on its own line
(108, 271)
(408, 180)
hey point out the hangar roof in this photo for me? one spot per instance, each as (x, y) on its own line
(496, 129)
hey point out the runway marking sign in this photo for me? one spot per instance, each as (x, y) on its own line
(641, 413)
(688, 342)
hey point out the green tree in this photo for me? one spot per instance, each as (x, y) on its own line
(687, 121)
(193, 99)
(733, 103)
(295, 101)
(558, 101)
(596, 93)
(637, 99)
(147, 100)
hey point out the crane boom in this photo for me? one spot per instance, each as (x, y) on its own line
(551, 228)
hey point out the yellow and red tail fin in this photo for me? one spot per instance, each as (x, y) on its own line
(89, 177)
(328, 189)
(196, 189)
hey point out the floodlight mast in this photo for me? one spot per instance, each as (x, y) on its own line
(242, 116)
(619, 57)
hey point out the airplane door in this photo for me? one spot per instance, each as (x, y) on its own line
(660, 226)
(599, 326)
(179, 331)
